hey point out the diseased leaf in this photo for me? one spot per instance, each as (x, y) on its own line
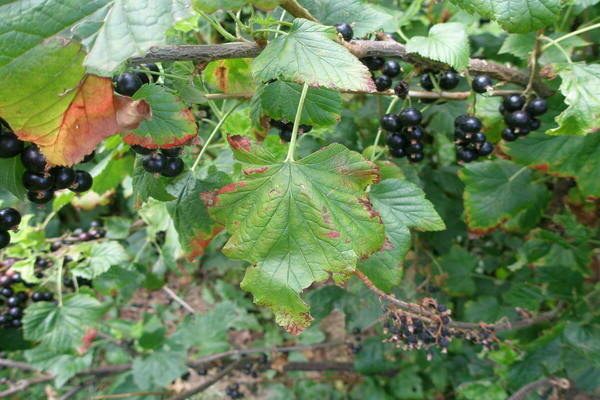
(362, 16)
(498, 190)
(447, 43)
(230, 76)
(300, 222)
(516, 16)
(567, 156)
(172, 124)
(580, 86)
(309, 53)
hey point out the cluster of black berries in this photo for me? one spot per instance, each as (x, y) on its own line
(9, 219)
(166, 162)
(255, 366)
(285, 129)
(96, 231)
(233, 391)
(470, 142)
(520, 117)
(355, 346)
(128, 83)
(14, 298)
(389, 69)
(405, 134)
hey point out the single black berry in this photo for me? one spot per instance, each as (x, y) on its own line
(9, 218)
(485, 149)
(383, 83)
(154, 164)
(285, 135)
(414, 133)
(37, 296)
(470, 125)
(4, 239)
(10, 146)
(414, 147)
(141, 150)
(449, 80)
(391, 123)
(513, 102)
(460, 135)
(518, 119)
(35, 181)
(397, 152)
(47, 296)
(33, 159)
(6, 292)
(63, 177)
(40, 196)
(13, 301)
(478, 137)
(171, 152)
(466, 155)
(535, 124)
(460, 120)
(173, 167)
(416, 157)
(522, 131)
(373, 63)
(395, 141)
(410, 117)
(127, 83)
(83, 182)
(426, 82)
(15, 312)
(509, 135)
(391, 68)
(537, 106)
(481, 83)
(401, 89)
(89, 157)
(345, 30)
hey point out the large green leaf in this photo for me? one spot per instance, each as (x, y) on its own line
(131, 27)
(498, 190)
(61, 327)
(402, 205)
(447, 43)
(103, 255)
(309, 53)
(211, 6)
(518, 16)
(300, 222)
(160, 368)
(459, 266)
(171, 124)
(279, 100)
(563, 156)
(190, 217)
(62, 366)
(362, 16)
(580, 86)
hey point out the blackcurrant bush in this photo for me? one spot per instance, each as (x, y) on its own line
(285, 135)
(397, 152)
(485, 149)
(4, 238)
(395, 141)
(391, 68)
(478, 137)
(345, 30)
(63, 177)
(509, 135)
(535, 124)
(414, 133)
(416, 157)
(401, 89)
(537, 106)
(34, 181)
(89, 157)
(373, 63)
(127, 83)
(449, 80)
(414, 147)
(518, 119)
(10, 146)
(154, 164)
(146, 77)
(173, 167)
(410, 117)
(141, 150)
(83, 182)
(171, 152)
(426, 82)
(391, 123)
(40, 196)
(470, 125)
(466, 155)
(481, 83)
(33, 159)
(383, 83)
(9, 218)
(513, 102)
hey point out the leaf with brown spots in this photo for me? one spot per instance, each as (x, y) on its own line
(299, 222)
(230, 76)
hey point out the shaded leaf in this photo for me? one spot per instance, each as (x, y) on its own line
(159, 368)
(447, 43)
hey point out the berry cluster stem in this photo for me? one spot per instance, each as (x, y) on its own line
(290, 154)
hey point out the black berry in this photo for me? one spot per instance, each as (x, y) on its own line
(173, 167)
(10, 146)
(397, 152)
(414, 133)
(478, 137)
(33, 159)
(426, 82)
(466, 155)
(83, 182)
(410, 117)
(518, 119)
(391, 123)
(4, 239)
(171, 152)
(141, 150)
(485, 149)
(537, 106)
(470, 125)
(40, 196)
(513, 102)
(535, 124)
(373, 63)
(383, 83)
(345, 30)
(34, 181)
(401, 89)
(63, 177)
(154, 164)
(391, 68)
(481, 83)
(395, 141)
(414, 147)
(449, 80)
(146, 77)
(509, 135)
(416, 157)
(9, 218)
(127, 83)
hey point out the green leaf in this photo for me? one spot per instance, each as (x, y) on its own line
(498, 190)
(308, 53)
(103, 255)
(516, 16)
(131, 27)
(279, 100)
(195, 227)
(459, 265)
(211, 6)
(580, 86)
(572, 156)
(362, 16)
(407, 385)
(481, 390)
(61, 327)
(447, 43)
(519, 45)
(11, 172)
(111, 170)
(147, 185)
(230, 76)
(62, 366)
(158, 369)
(171, 125)
(299, 221)
(118, 280)
(402, 205)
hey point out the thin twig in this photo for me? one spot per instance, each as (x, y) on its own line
(200, 388)
(540, 384)
(178, 299)
(73, 392)
(296, 9)
(125, 395)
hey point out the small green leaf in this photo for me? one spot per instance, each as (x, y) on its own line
(309, 53)
(211, 6)
(62, 366)
(481, 390)
(11, 172)
(447, 43)
(147, 185)
(230, 76)
(580, 86)
(105, 254)
(519, 45)
(459, 265)
(498, 190)
(159, 368)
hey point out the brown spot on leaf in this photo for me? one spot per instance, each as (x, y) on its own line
(232, 187)
(208, 198)
(387, 245)
(326, 216)
(255, 170)
(369, 207)
(296, 329)
(200, 241)
(221, 73)
(333, 234)
(239, 142)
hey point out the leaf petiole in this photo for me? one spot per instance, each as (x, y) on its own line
(290, 154)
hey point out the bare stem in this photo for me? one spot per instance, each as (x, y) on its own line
(291, 149)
